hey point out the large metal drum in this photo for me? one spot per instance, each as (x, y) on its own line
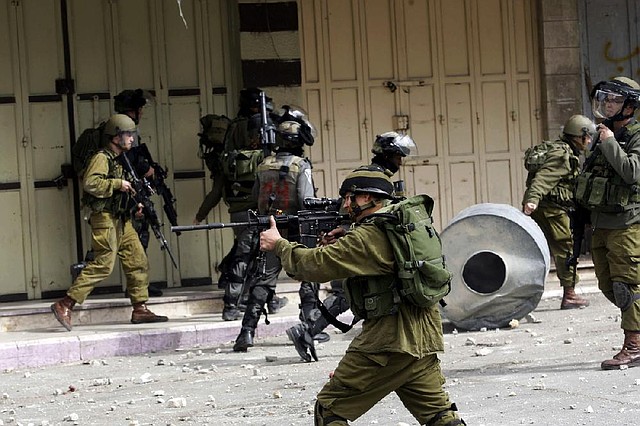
(499, 259)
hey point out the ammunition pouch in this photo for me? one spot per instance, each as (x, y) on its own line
(373, 297)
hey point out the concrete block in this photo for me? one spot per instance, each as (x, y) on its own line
(561, 34)
(562, 61)
(55, 350)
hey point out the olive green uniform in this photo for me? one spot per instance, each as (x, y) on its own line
(393, 353)
(551, 189)
(112, 234)
(609, 188)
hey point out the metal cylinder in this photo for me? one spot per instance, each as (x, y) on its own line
(500, 259)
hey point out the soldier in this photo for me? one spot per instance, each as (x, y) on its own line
(132, 103)
(389, 149)
(283, 182)
(239, 162)
(396, 350)
(553, 168)
(107, 194)
(609, 188)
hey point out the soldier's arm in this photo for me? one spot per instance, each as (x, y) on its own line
(96, 181)
(212, 199)
(548, 176)
(625, 163)
(305, 183)
(364, 251)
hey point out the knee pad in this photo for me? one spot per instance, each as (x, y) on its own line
(336, 304)
(324, 417)
(623, 295)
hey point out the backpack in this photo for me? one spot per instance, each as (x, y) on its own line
(211, 143)
(535, 156)
(89, 142)
(423, 278)
(242, 165)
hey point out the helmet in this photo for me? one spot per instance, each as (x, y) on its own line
(610, 98)
(579, 125)
(118, 124)
(293, 129)
(367, 180)
(130, 100)
(391, 143)
(250, 98)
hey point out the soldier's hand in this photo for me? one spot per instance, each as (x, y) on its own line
(529, 208)
(332, 236)
(604, 132)
(139, 213)
(269, 237)
(150, 172)
(126, 186)
(196, 221)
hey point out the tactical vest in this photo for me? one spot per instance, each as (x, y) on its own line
(600, 188)
(279, 184)
(118, 203)
(536, 156)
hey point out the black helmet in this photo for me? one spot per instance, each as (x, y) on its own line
(250, 98)
(293, 129)
(390, 143)
(367, 180)
(610, 98)
(130, 100)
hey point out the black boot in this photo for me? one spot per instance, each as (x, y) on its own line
(244, 340)
(303, 342)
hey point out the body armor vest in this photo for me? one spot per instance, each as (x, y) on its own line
(373, 296)
(279, 184)
(600, 188)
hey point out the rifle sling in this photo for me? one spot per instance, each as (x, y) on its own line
(334, 321)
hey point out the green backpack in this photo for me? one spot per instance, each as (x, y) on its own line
(535, 156)
(211, 143)
(242, 165)
(423, 277)
(89, 142)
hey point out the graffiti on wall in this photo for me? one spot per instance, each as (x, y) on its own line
(621, 61)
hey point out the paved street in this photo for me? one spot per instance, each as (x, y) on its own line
(539, 373)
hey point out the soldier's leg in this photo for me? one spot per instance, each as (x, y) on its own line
(601, 267)
(104, 243)
(555, 225)
(623, 257)
(424, 396)
(136, 269)
(259, 295)
(236, 270)
(361, 380)
(141, 227)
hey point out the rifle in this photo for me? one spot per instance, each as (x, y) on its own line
(267, 129)
(142, 192)
(159, 185)
(310, 224)
(579, 218)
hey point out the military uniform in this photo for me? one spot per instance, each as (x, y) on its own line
(283, 182)
(393, 353)
(609, 187)
(551, 189)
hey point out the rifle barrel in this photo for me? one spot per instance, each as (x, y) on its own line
(213, 225)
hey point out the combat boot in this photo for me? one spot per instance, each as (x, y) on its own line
(62, 311)
(141, 315)
(244, 340)
(303, 342)
(231, 313)
(570, 300)
(277, 303)
(628, 356)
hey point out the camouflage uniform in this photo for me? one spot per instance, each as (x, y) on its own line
(393, 353)
(551, 189)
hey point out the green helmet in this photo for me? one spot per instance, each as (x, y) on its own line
(610, 98)
(367, 180)
(579, 125)
(118, 124)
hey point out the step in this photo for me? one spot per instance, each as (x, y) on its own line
(176, 303)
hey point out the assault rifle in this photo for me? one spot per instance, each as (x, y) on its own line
(159, 185)
(267, 129)
(141, 194)
(310, 224)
